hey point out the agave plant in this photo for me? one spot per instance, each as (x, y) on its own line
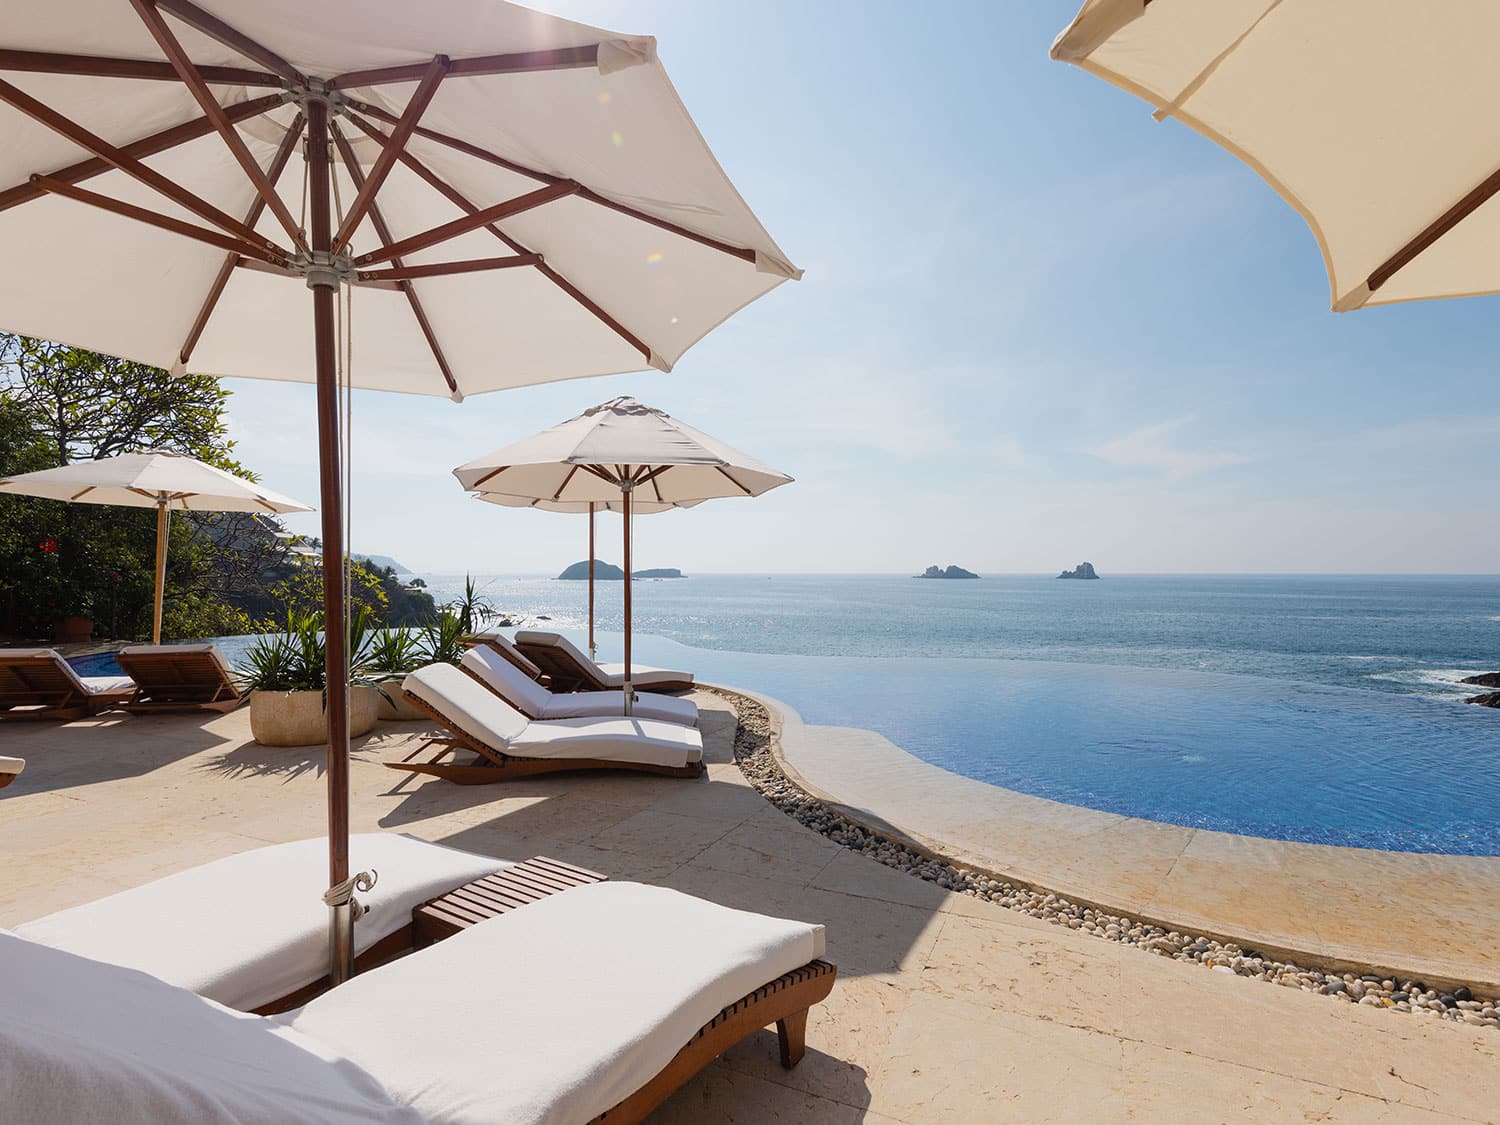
(444, 640)
(394, 652)
(473, 609)
(295, 660)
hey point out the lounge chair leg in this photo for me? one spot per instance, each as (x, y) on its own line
(791, 1034)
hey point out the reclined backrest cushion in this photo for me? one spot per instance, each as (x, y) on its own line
(557, 641)
(524, 693)
(471, 707)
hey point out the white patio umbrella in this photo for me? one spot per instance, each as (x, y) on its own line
(159, 478)
(639, 508)
(518, 199)
(1373, 118)
(609, 452)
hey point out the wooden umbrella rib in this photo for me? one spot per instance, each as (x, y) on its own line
(730, 478)
(567, 480)
(163, 222)
(462, 202)
(147, 10)
(483, 217)
(96, 66)
(252, 216)
(1435, 230)
(444, 269)
(562, 58)
(146, 146)
(427, 88)
(548, 178)
(603, 474)
(216, 29)
(383, 232)
(66, 127)
(491, 475)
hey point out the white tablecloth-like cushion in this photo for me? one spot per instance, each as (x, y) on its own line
(645, 741)
(82, 1041)
(251, 928)
(11, 765)
(607, 983)
(536, 702)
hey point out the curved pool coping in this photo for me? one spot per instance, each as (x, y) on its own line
(1413, 915)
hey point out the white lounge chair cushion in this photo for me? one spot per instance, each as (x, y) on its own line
(594, 991)
(91, 685)
(251, 928)
(212, 651)
(536, 702)
(11, 765)
(502, 643)
(635, 740)
(641, 675)
(85, 1041)
(481, 714)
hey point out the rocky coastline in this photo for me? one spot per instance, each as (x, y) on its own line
(1486, 680)
(753, 741)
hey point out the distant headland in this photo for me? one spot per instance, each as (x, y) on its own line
(1082, 570)
(950, 572)
(608, 572)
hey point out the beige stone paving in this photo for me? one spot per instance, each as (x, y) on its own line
(947, 1009)
(1432, 917)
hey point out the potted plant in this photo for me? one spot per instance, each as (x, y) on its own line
(284, 674)
(392, 654)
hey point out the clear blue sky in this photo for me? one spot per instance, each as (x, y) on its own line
(1035, 328)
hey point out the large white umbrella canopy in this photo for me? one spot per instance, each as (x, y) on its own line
(495, 197)
(590, 508)
(607, 455)
(1373, 118)
(154, 478)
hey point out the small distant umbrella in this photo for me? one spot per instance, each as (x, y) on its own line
(154, 478)
(606, 455)
(1372, 118)
(639, 508)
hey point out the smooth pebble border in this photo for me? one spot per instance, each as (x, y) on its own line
(752, 753)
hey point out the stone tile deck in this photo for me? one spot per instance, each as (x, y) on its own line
(1428, 917)
(947, 1009)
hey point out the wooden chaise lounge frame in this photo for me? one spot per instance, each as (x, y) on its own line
(45, 692)
(190, 680)
(567, 674)
(499, 766)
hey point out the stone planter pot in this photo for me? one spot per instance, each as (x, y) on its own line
(395, 709)
(72, 630)
(296, 718)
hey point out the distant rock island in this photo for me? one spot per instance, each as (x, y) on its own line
(608, 572)
(950, 572)
(1082, 570)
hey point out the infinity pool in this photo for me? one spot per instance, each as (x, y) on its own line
(1242, 754)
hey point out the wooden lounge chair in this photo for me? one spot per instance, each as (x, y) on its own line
(179, 678)
(510, 683)
(621, 993)
(507, 745)
(37, 683)
(10, 769)
(570, 669)
(507, 648)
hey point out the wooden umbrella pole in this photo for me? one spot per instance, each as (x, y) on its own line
(626, 487)
(593, 649)
(163, 527)
(324, 286)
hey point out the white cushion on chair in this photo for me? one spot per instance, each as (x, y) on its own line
(555, 1012)
(251, 928)
(536, 702)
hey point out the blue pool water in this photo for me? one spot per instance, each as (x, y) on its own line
(1322, 709)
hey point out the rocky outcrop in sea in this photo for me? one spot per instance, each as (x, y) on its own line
(949, 572)
(1082, 570)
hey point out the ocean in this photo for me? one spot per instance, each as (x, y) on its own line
(1324, 709)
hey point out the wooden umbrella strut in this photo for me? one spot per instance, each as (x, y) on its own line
(593, 650)
(163, 529)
